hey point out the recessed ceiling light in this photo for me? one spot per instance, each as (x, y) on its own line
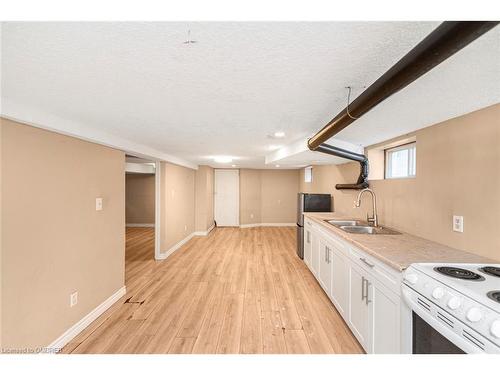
(279, 134)
(223, 159)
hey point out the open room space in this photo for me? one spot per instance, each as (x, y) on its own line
(234, 291)
(250, 188)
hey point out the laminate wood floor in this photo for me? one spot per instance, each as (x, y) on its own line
(233, 291)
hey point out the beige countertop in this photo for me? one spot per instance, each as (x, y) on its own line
(398, 251)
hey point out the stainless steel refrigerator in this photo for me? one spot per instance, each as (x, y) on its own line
(309, 203)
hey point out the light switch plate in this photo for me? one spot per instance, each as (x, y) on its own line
(98, 204)
(458, 223)
(73, 299)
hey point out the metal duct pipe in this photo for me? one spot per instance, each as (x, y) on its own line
(446, 40)
(362, 182)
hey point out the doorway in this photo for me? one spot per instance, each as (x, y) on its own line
(141, 205)
(227, 198)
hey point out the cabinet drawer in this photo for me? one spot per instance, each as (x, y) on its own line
(384, 274)
(339, 244)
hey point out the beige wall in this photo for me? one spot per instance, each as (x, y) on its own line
(269, 195)
(458, 169)
(54, 241)
(177, 190)
(204, 198)
(140, 198)
(250, 196)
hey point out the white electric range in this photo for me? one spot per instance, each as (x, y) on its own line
(451, 308)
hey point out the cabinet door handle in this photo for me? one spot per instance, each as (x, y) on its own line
(308, 237)
(367, 283)
(367, 263)
(362, 288)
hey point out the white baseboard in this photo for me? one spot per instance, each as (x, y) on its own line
(206, 232)
(166, 254)
(71, 333)
(178, 245)
(144, 225)
(255, 225)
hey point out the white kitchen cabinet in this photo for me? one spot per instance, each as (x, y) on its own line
(374, 313)
(364, 290)
(386, 320)
(340, 282)
(360, 310)
(325, 266)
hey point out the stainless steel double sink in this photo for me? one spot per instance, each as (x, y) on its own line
(360, 227)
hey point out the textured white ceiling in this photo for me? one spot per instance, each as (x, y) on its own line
(140, 84)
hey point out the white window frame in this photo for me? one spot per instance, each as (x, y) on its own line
(308, 172)
(411, 160)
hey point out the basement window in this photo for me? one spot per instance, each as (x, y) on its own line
(400, 161)
(308, 174)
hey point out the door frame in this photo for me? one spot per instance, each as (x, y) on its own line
(157, 210)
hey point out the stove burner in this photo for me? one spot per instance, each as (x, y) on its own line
(493, 271)
(459, 273)
(494, 295)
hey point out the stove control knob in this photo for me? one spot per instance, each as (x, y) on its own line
(474, 314)
(454, 303)
(438, 293)
(412, 278)
(495, 329)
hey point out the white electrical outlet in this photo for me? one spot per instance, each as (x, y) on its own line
(98, 204)
(458, 224)
(251, 216)
(185, 228)
(73, 299)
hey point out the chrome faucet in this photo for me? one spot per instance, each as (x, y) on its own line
(373, 220)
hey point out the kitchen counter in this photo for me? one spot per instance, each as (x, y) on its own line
(400, 250)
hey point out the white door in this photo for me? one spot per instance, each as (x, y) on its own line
(386, 320)
(325, 267)
(227, 197)
(340, 282)
(360, 311)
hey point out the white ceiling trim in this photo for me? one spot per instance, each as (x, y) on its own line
(140, 168)
(38, 119)
(298, 147)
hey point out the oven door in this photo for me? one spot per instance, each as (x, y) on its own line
(428, 329)
(427, 340)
